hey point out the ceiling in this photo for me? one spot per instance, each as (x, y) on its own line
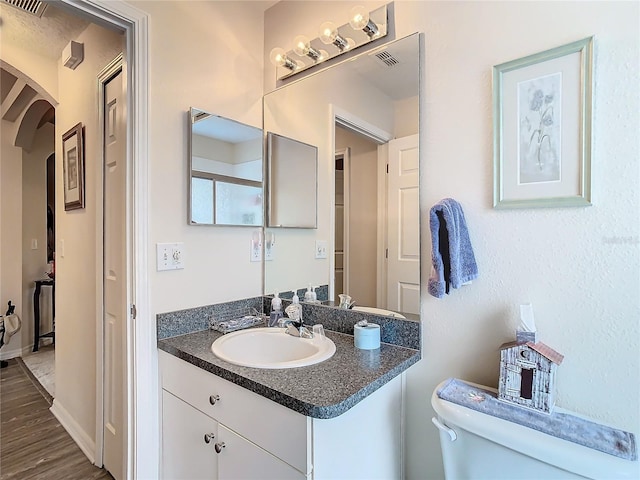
(46, 36)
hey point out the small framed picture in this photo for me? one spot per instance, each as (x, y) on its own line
(542, 108)
(73, 167)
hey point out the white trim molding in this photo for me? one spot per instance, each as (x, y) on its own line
(143, 407)
(79, 436)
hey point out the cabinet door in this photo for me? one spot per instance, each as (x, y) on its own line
(185, 451)
(240, 459)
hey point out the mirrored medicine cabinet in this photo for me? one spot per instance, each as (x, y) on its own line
(225, 171)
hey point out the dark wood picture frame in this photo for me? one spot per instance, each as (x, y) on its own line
(73, 167)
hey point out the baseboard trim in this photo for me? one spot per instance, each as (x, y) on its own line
(86, 444)
(16, 352)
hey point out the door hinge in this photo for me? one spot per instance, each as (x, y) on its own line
(387, 168)
(386, 253)
(133, 312)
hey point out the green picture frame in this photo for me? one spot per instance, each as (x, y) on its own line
(542, 119)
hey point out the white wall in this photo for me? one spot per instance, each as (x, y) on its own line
(80, 231)
(583, 283)
(212, 60)
(11, 232)
(577, 266)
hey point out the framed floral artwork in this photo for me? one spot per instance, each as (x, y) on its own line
(542, 128)
(73, 167)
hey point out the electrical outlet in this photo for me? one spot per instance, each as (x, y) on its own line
(256, 253)
(321, 249)
(268, 252)
(170, 256)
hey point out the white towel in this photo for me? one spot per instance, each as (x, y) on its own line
(12, 324)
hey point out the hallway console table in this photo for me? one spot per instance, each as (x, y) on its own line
(36, 312)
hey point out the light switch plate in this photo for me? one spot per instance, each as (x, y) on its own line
(170, 256)
(321, 249)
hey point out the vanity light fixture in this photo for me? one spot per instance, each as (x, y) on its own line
(363, 27)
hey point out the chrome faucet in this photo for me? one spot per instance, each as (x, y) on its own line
(296, 329)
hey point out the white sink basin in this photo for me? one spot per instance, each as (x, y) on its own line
(271, 348)
(378, 311)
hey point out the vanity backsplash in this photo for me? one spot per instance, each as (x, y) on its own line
(395, 331)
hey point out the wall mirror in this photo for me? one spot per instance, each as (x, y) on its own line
(363, 116)
(225, 171)
(292, 168)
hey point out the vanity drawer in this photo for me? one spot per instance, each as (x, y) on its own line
(275, 428)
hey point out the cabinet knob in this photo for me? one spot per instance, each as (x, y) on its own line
(213, 399)
(219, 446)
(208, 437)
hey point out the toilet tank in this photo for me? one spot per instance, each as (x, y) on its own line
(479, 446)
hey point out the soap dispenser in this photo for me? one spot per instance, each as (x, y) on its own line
(309, 295)
(294, 311)
(276, 310)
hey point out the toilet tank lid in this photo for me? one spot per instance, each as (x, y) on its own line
(473, 408)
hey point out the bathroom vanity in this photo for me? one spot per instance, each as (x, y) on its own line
(342, 418)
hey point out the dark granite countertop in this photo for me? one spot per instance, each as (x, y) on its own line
(323, 390)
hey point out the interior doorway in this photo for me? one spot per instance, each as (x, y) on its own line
(360, 200)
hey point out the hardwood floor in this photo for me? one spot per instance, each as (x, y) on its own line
(33, 444)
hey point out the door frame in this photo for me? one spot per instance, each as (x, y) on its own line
(142, 459)
(345, 154)
(349, 121)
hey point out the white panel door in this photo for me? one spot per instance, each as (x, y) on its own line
(115, 278)
(403, 232)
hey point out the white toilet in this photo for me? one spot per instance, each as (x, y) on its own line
(480, 446)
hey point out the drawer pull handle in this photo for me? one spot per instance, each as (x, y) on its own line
(208, 437)
(219, 446)
(213, 399)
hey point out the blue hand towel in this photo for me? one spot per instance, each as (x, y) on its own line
(452, 255)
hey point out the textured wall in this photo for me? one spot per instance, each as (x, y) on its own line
(577, 266)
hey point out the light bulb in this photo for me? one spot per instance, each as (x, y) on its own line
(359, 20)
(328, 32)
(359, 17)
(302, 47)
(329, 35)
(279, 58)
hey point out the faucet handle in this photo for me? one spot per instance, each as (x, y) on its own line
(318, 329)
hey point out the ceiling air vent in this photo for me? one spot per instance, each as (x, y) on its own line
(387, 59)
(34, 7)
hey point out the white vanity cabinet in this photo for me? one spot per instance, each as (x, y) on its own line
(252, 437)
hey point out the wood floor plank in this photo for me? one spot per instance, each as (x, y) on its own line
(33, 444)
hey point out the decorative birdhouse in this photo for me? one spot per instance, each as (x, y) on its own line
(528, 374)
